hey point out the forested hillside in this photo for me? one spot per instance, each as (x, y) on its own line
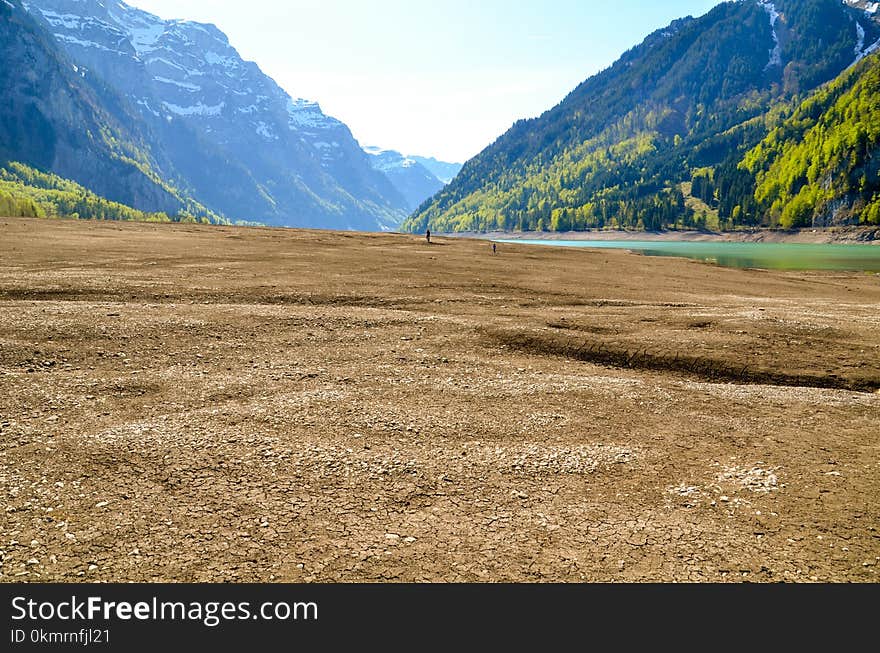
(818, 166)
(656, 141)
(26, 192)
(54, 119)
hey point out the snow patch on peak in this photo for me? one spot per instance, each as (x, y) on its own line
(215, 59)
(776, 50)
(68, 21)
(144, 38)
(146, 105)
(304, 114)
(85, 43)
(143, 29)
(184, 85)
(199, 109)
(265, 131)
(300, 105)
(387, 160)
(209, 29)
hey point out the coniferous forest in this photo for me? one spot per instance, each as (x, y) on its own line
(26, 192)
(697, 127)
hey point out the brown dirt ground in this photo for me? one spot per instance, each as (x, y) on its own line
(182, 403)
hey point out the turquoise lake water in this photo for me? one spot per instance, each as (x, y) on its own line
(770, 256)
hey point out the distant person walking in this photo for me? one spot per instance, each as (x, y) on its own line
(428, 236)
(494, 248)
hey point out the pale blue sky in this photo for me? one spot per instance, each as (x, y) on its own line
(439, 78)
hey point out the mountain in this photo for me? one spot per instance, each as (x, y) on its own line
(637, 144)
(817, 167)
(236, 139)
(411, 179)
(56, 118)
(445, 172)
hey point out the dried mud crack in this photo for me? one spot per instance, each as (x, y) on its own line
(218, 404)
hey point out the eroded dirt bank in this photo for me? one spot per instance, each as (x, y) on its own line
(202, 404)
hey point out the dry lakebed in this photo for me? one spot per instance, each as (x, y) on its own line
(188, 403)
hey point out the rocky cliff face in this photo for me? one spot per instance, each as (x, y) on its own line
(56, 118)
(241, 143)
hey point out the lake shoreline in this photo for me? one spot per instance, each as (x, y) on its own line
(831, 235)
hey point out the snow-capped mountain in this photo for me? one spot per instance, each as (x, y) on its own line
(412, 179)
(444, 171)
(236, 139)
(54, 119)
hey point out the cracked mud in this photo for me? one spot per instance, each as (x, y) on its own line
(180, 403)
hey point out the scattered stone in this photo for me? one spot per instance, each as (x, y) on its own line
(755, 479)
(529, 493)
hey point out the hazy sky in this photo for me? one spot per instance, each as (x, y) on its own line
(439, 78)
